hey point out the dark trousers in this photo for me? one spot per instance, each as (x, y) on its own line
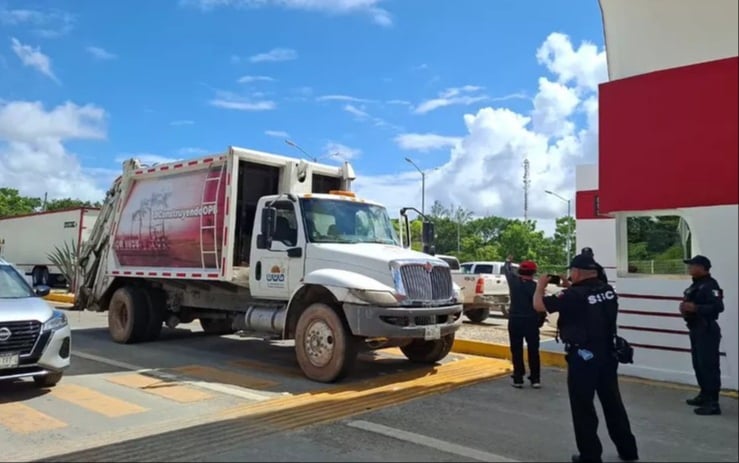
(705, 338)
(585, 378)
(520, 328)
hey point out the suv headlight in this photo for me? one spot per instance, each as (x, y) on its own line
(57, 321)
(375, 297)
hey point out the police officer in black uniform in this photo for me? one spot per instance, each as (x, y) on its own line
(702, 303)
(587, 323)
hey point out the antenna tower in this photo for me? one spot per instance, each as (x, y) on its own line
(526, 186)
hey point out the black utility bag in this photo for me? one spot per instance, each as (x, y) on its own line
(622, 350)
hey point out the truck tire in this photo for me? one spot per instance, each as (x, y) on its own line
(216, 326)
(128, 315)
(156, 301)
(324, 346)
(477, 315)
(48, 380)
(429, 352)
(40, 276)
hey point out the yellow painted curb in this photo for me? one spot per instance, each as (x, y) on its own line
(60, 297)
(556, 359)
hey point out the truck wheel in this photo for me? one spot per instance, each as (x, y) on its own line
(49, 380)
(216, 326)
(157, 301)
(128, 315)
(421, 351)
(324, 346)
(477, 315)
(40, 276)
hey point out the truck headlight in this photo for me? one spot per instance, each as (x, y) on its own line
(374, 297)
(397, 279)
(57, 321)
(457, 292)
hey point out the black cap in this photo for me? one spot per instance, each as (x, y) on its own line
(703, 261)
(588, 251)
(584, 262)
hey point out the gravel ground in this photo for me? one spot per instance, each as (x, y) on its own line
(494, 330)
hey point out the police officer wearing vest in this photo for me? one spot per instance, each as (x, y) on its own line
(587, 323)
(702, 303)
(523, 321)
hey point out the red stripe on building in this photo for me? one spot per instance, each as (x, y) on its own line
(655, 124)
(652, 330)
(650, 296)
(667, 348)
(650, 314)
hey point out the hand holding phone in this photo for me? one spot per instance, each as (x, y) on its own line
(554, 279)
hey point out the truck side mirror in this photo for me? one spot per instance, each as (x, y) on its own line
(268, 224)
(407, 231)
(428, 233)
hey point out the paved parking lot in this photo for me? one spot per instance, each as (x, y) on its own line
(191, 397)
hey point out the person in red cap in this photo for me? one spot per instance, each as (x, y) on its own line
(523, 321)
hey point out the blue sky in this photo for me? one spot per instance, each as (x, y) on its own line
(374, 80)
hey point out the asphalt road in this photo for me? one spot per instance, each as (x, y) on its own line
(191, 397)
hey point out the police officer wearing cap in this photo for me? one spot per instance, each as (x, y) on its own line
(587, 322)
(601, 272)
(523, 321)
(702, 303)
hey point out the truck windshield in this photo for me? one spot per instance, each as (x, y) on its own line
(340, 221)
(12, 285)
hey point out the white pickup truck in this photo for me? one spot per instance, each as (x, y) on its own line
(496, 288)
(481, 291)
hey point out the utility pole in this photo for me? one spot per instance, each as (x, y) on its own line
(569, 221)
(526, 186)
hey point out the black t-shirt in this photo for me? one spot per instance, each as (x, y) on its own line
(521, 292)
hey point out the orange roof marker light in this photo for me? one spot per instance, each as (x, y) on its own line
(350, 194)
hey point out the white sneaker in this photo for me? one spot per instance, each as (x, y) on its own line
(536, 385)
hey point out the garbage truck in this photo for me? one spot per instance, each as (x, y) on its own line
(248, 241)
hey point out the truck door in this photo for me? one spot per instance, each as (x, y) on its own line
(276, 274)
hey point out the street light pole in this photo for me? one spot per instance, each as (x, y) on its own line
(569, 222)
(296, 146)
(423, 185)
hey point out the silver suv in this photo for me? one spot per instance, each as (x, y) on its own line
(35, 339)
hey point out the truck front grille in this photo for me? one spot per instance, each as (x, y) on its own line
(22, 338)
(422, 285)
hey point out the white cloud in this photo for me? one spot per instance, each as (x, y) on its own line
(48, 23)
(275, 54)
(227, 100)
(32, 57)
(425, 141)
(182, 122)
(100, 53)
(33, 153)
(367, 7)
(586, 66)
(340, 151)
(250, 79)
(359, 113)
(277, 133)
(484, 170)
(466, 95)
(353, 99)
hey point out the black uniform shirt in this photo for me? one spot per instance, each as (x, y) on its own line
(587, 314)
(708, 298)
(521, 293)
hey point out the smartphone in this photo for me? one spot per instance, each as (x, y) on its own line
(554, 279)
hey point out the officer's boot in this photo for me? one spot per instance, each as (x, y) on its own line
(710, 407)
(696, 401)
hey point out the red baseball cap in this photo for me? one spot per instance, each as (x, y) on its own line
(528, 265)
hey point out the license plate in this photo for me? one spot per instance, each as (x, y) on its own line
(432, 332)
(9, 360)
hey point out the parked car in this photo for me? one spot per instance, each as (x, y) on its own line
(35, 339)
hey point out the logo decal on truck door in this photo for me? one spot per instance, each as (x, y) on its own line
(275, 277)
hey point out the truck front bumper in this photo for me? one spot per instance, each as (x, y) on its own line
(401, 322)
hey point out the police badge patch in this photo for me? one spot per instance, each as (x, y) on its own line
(717, 293)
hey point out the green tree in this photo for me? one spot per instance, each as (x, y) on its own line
(69, 203)
(12, 203)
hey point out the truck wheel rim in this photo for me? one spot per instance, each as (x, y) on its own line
(319, 343)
